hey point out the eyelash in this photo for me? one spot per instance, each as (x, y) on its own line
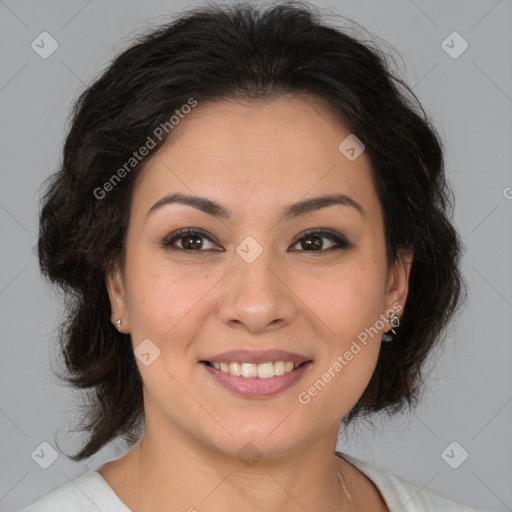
(340, 241)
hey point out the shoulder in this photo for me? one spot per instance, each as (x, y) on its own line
(400, 494)
(88, 493)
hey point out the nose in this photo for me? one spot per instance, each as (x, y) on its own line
(257, 295)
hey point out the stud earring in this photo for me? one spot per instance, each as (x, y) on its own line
(118, 323)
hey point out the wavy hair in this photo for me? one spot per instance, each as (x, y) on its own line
(240, 51)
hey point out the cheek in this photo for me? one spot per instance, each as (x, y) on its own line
(163, 305)
(349, 304)
(346, 300)
(164, 309)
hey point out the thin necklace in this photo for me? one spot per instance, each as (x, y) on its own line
(343, 486)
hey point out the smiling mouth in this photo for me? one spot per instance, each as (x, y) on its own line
(265, 370)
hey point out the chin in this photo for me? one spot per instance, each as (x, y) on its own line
(268, 439)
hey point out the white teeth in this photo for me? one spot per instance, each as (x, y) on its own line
(266, 370)
(250, 370)
(279, 368)
(235, 369)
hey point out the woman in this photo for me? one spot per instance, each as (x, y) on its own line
(253, 221)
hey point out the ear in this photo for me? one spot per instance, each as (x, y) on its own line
(397, 286)
(118, 304)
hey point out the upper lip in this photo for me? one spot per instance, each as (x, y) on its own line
(262, 356)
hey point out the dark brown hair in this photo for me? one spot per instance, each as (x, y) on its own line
(240, 51)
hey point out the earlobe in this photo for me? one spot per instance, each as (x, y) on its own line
(398, 282)
(117, 296)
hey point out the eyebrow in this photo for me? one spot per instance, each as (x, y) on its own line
(292, 211)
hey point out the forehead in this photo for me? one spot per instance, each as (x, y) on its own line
(278, 150)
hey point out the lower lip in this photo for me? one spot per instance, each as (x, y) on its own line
(256, 387)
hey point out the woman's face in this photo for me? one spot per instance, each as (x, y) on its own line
(254, 281)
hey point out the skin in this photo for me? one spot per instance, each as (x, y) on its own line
(255, 158)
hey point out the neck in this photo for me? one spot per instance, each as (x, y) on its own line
(309, 478)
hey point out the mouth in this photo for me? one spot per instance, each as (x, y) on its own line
(265, 370)
(252, 380)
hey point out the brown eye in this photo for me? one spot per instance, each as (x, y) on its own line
(191, 240)
(311, 241)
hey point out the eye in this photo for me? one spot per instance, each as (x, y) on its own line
(312, 241)
(190, 239)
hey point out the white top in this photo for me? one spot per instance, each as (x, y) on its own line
(90, 493)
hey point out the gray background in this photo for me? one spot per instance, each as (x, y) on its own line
(469, 393)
